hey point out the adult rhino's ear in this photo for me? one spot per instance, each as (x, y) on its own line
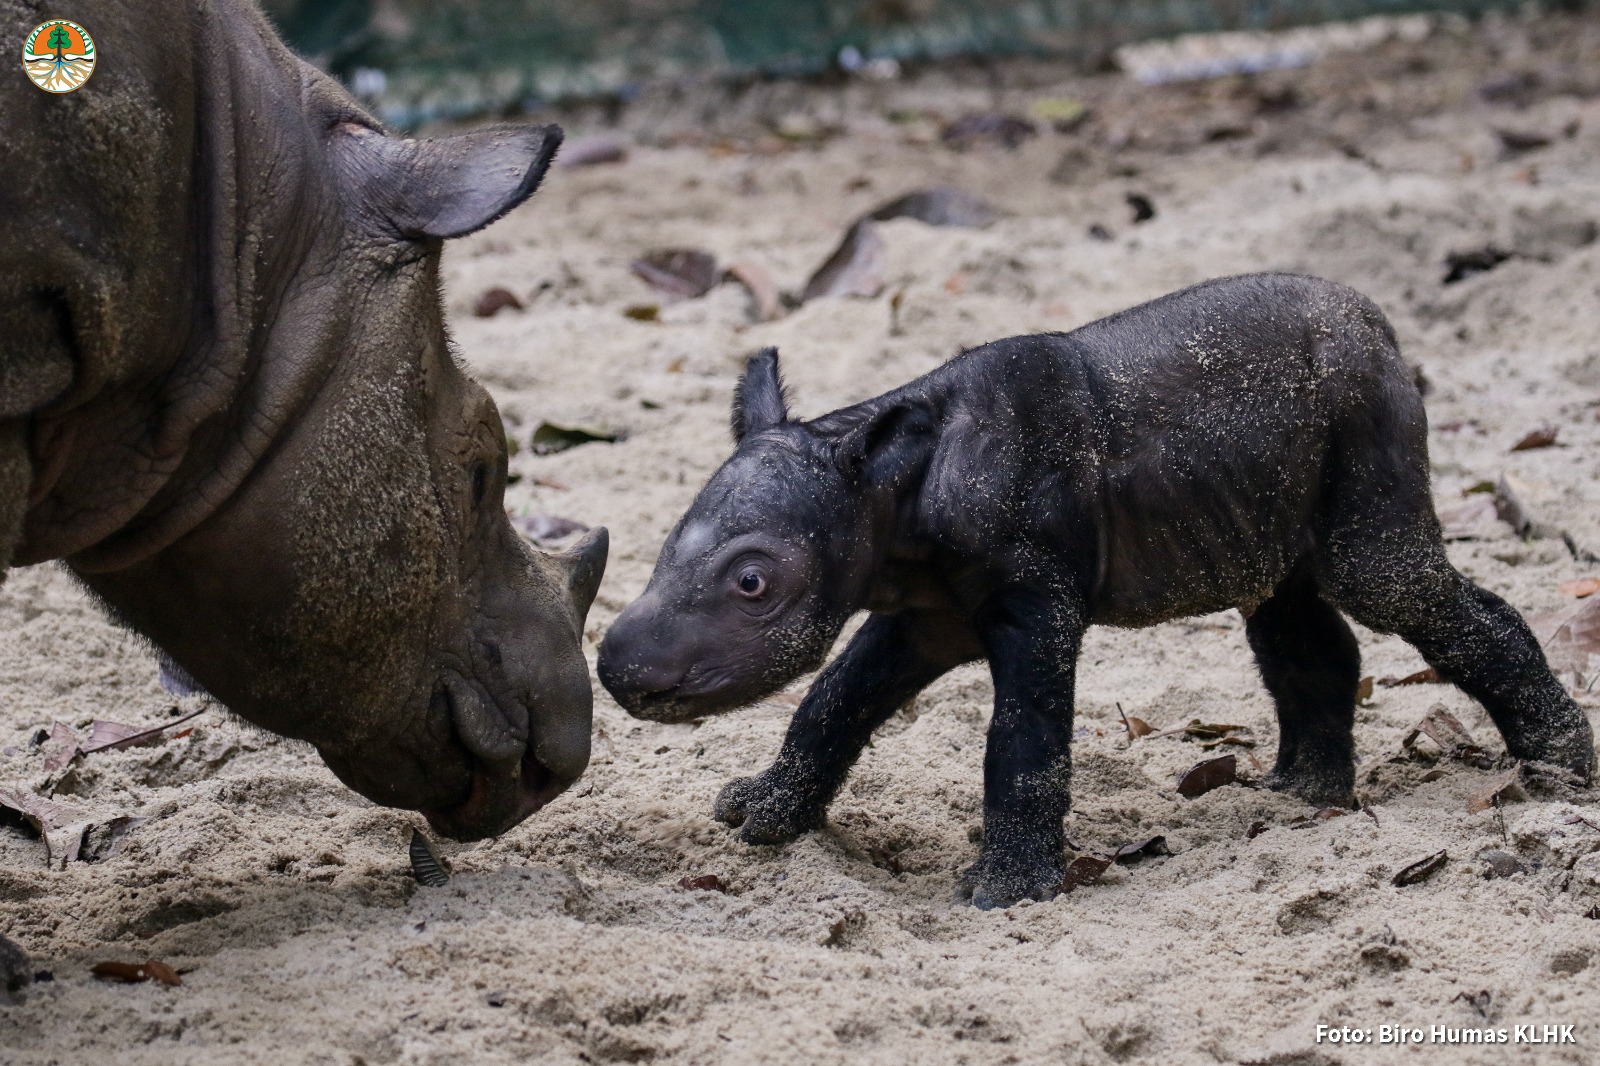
(892, 445)
(760, 401)
(441, 188)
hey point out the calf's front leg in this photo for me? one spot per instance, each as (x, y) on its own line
(891, 658)
(1032, 638)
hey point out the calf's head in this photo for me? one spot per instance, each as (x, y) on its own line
(755, 582)
(363, 589)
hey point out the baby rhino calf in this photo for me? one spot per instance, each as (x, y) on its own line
(1253, 442)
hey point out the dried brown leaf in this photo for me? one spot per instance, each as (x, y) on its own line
(135, 972)
(1503, 788)
(492, 301)
(1426, 676)
(1084, 870)
(682, 273)
(856, 267)
(703, 883)
(939, 206)
(758, 282)
(1581, 588)
(1202, 777)
(1422, 869)
(1149, 847)
(1364, 689)
(1543, 437)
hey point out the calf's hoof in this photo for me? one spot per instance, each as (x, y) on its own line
(1317, 785)
(998, 881)
(765, 810)
(15, 973)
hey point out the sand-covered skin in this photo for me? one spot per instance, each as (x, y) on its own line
(287, 899)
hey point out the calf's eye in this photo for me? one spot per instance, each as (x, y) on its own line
(752, 584)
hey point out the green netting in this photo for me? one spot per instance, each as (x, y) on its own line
(442, 58)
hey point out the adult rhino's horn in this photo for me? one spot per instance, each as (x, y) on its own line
(585, 565)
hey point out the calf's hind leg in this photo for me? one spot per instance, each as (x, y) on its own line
(1311, 665)
(1473, 638)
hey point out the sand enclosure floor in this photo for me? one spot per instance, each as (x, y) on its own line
(288, 902)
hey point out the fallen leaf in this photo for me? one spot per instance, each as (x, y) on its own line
(1446, 730)
(1508, 507)
(1501, 789)
(1421, 870)
(1364, 689)
(60, 825)
(1570, 636)
(1136, 727)
(1084, 870)
(550, 438)
(643, 312)
(546, 528)
(703, 883)
(1210, 735)
(495, 300)
(1516, 142)
(854, 269)
(1434, 775)
(60, 747)
(1470, 520)
(1153, 846)
(426, 867)
(1582, 587)
(1462, 265)
(973, 131)
(116, 736)
(1317, 817)
(684, 273)
(939, 206)
(1593, 913)
(551, 483)
(1578, 819)
(593, 150)
(1543, 437)
(1256, 829)
(1426, 676)
(135, 972)
(762, 289)
(1204, 776)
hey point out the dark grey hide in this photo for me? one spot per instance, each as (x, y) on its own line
(1253, 442)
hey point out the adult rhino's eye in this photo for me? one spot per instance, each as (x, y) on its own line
(752, 584)
(480, 483)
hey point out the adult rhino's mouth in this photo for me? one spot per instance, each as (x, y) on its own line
(509, 783)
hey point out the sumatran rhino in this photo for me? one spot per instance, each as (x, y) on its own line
(1254, 442)
(229, 403)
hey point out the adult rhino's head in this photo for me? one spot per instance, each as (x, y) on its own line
(359, 586)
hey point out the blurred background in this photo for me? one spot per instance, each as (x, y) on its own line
(422, 60)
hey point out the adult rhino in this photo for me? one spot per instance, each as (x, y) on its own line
(228, 402)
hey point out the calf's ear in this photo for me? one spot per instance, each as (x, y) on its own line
(889, 447)
(760, 400)
(447, 187)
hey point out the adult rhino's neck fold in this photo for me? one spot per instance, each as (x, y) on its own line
(128, 470)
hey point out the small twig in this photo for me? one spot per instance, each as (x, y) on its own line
(130, 741)
(1500, 819)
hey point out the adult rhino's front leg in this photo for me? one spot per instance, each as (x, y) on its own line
(15, 972)
(1032, 634)
(889, 660)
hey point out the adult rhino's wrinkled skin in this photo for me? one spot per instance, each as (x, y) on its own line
(229, 403)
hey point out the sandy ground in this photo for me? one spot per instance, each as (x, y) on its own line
(288, 901)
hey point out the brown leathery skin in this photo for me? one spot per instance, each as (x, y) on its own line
(229, 402)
